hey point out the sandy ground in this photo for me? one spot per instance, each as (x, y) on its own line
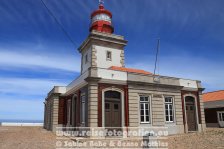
(38, 138)
(26, 138)
(212, 138)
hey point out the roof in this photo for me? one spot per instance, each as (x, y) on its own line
(213, 96)
(130, 70)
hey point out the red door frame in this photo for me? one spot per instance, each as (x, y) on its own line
(124, 88)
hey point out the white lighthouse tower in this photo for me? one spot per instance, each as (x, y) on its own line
(102, 48)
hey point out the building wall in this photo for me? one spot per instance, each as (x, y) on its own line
(55, 113)
(86, 65)
(213, 104)
(188, 83)
(51, 113)
(48, 114)
(202, 126)
(92, 104)
(211, 117)
(76, 111)
(101, 60)
(157, 107)
(112, 74)
(61, 111)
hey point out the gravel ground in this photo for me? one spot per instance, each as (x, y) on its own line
(38, 138)
(212, 138)
(26, 138)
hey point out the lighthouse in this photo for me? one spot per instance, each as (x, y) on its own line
(109, 96)
(102, 48)
(101, 20)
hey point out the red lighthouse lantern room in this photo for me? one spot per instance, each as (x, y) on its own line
(101, 20)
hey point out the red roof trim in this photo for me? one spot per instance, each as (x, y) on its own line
(130, 70)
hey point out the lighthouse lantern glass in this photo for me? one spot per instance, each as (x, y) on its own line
(103, 17)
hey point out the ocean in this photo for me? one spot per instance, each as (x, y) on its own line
(20, 121)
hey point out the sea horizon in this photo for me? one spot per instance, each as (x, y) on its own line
(20, 121)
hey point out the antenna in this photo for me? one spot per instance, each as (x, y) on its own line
(101, 2)
(156, 77)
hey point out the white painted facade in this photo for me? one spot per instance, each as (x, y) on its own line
(60, 89)
(86, 63)
(112, 74)
(188, 83)
(101, 59)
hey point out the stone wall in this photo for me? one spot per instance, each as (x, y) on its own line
(55, 113)
(203, 124)
(93, 104)
(51, 113)
(157, 95)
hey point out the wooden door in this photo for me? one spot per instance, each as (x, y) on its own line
(191, 117)
(112, 114)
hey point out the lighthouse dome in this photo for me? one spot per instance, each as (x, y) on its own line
(101, 20)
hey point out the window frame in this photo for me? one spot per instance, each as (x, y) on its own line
(168, 105)
(148, 101)
(83, 109)
(110, 58)
(68, 111)
(220, 116)
(86, 59)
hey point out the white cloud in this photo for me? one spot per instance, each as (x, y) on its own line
(46, 60)
(22, 98)
(187, 66)
(24, 86)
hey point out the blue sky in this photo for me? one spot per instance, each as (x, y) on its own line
(35, 54)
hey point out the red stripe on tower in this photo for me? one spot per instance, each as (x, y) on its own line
(101, 20)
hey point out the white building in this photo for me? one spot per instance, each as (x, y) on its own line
(107, 94)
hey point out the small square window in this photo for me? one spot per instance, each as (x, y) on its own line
(109, 56)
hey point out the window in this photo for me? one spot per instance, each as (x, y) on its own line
(144, 109)
(169, 109)
(83, 109)
(104, 17)
(221, 116)
(68, 111)
(109, 56)
(116, 107)
(112, 94)
(107, 106)
(86, 58)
